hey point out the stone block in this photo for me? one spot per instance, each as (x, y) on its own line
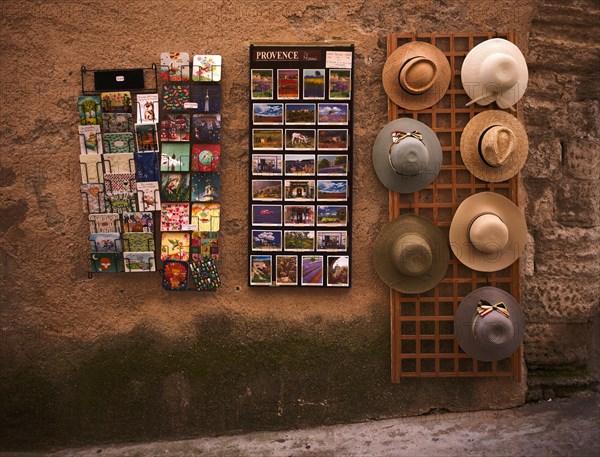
(539, 206)
(578, 203)
(544, 158)
(557, 344)
(583, 158)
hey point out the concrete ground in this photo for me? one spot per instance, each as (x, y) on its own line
(566, 427)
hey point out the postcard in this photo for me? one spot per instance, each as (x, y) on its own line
(175, 157)
(312, 270)
(338, 271)
(266, 240)
(89, 110)
(267, 139)
(299, 215)
(332, 215)
(117, 122)
(299, 240)
(206, 98)
(340, 84)
(206, 68)
(332, 190)
(266, 190)
(206, 216)
(120, 202)
(174, 66)
(92, 195)
(332, 241)
(205, 245)
(115, 143)
(119, 163)
(146, 167)
(261, 270)
(300, 165)
(139, 262)
(175, 127)
(333, 113)
(175, 246)
(267, 113)
(138, 222)
(206, 128)
(106, 242)
(175, 275)
(90, 139)
(313, 84)
(137, 242)
(104, 223)
(175, 187)
(119, 182)
(148, 195)
(267, 165)
(206, 158)
(332, 165)
(262, 84)
(175, 96)
(107, 262)
(205, 275)
(333, 140)
(116, 102)
(174, 216)
(299, 189)
(300, 114)
(91, 168)
(266, 215)
(147, 108)
(286, 270)
(299, 140)
(287, 84)
(146, 136)
(206, 187)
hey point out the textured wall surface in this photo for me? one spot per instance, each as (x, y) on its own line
(117, 358)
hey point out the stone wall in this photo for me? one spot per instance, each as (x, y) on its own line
(117, 358)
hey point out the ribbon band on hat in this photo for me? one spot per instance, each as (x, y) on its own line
(484, 308)
(397, 137)
(483, 213)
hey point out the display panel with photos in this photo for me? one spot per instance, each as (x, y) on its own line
(300, 152)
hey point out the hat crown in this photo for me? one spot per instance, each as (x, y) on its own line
(409, 156)
(499, 72)
(493, 330)
(412, 255)
(417, 75)
(488, 233)
(497, 144)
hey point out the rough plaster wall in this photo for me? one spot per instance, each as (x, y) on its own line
(116, 357)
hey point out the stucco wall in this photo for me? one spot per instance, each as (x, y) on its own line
(116, 357)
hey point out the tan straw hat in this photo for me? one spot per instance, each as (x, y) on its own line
(494, 146)
(411, 254)
(407, 155)
(489, 324)
(495, 70)
(416, 75)
(488, 232)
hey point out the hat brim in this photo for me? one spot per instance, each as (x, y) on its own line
(381, 162)
(471, 79)
(467, 311)
(512, 217)
(383, 254)
(393, 65)
(469, 146)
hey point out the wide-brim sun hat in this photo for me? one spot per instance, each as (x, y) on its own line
(488, 232)
(494, 146)
(495, 70)
(416, 75)
(411, 254)
(407, 155)
(489, 324)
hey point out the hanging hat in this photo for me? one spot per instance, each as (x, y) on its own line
(494, 146)
(495, 70)
(416, 75)
(411, 254)
(488, 232)
(407, 155)
(489, 324)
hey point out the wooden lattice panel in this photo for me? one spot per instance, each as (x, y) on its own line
(422, 326)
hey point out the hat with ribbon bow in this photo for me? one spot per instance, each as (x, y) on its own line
(407, 155)
(489, 324)
(494, 146)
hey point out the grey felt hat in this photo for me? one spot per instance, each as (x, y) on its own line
(407, 155)
(489, 324)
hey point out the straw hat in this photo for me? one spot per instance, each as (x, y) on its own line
(407, 155)
(416, 75)
(488, 232)
(495, 70)
(489, 324)
(494, 146)
(411, 254)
